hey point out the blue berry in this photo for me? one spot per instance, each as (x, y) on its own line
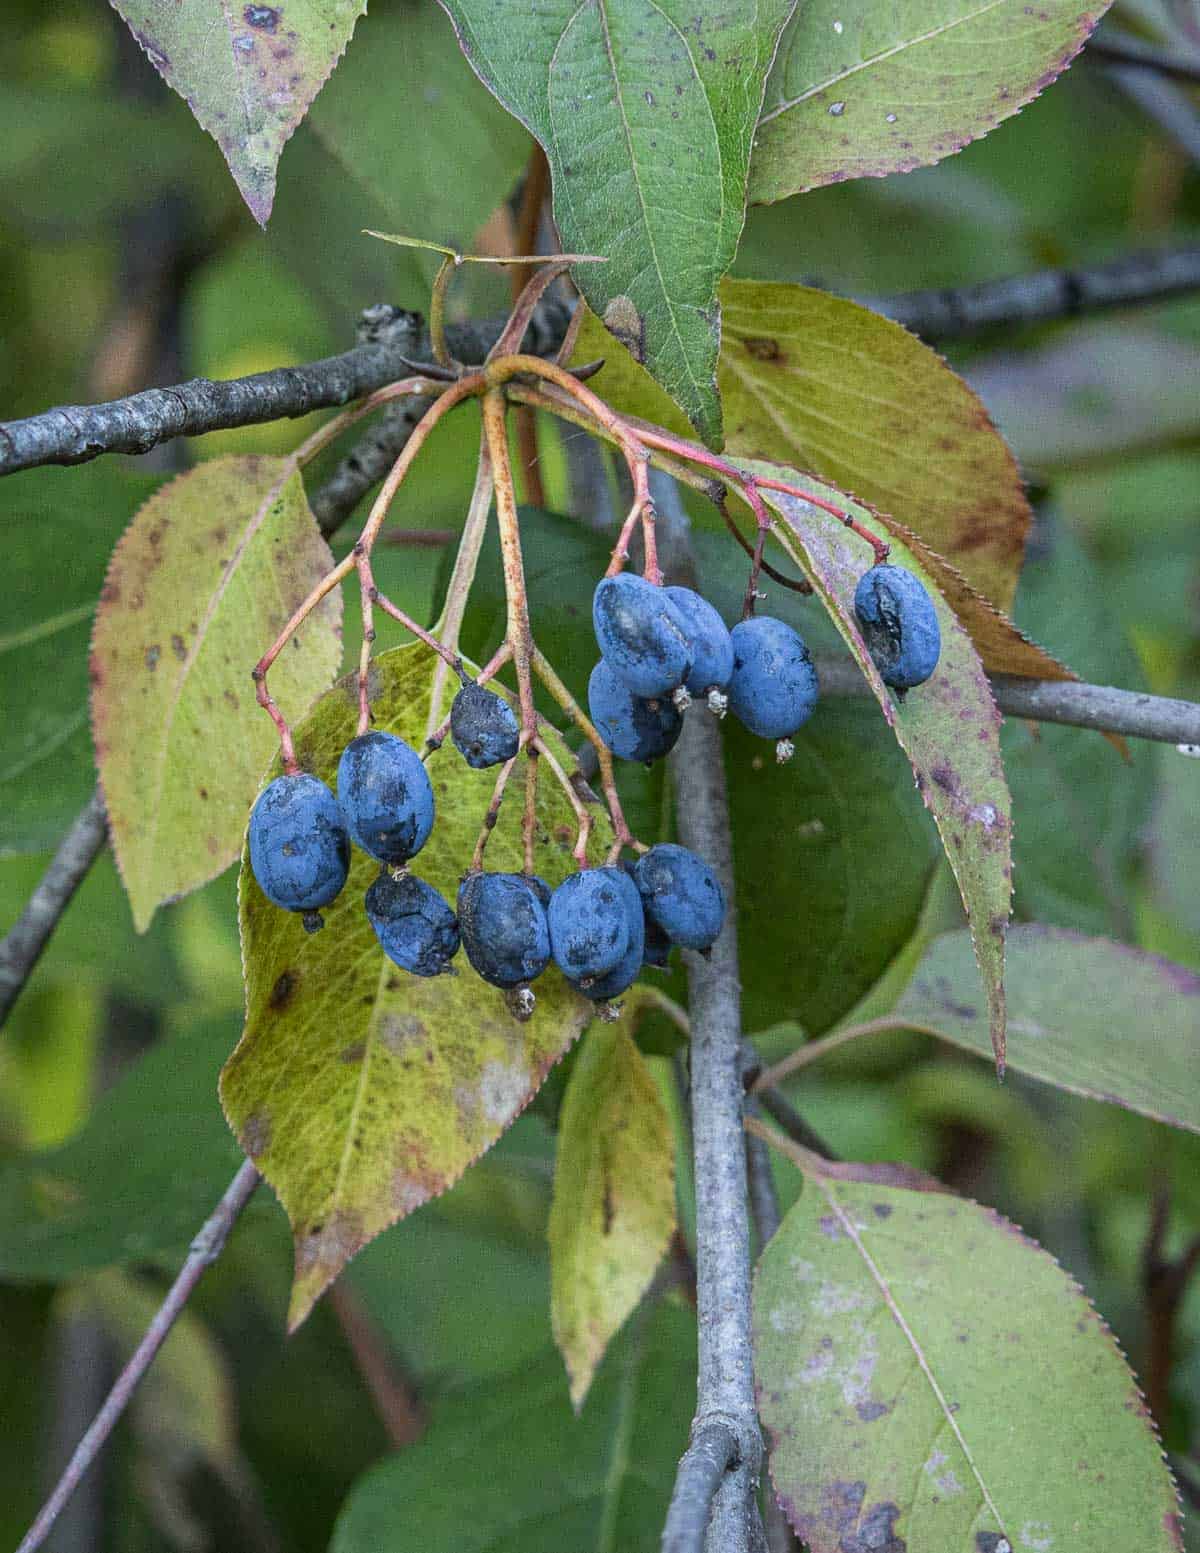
(633, 728)
(623, 974)
(774, 685)
(504, 928)
(899, 625)
(386, 796)
(681, 894)
(593, 915)
(299, 849)
(658, 946)
(483, 727)
(642, 635)
(712, 646)
(412, 922)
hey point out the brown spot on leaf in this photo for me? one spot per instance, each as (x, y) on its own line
(400, 1032)
(153, 654)
(763, 348)
(284, 990)
(869, 1411)
(264, 17)
(622, 319)
(352, 1054)
(178, 646)
(230, 698)
(256, 1133)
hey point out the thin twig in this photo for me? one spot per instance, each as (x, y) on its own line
(399, 1409)
(206, 1248)
(388, 340)
(1133, 280)
(22, 946)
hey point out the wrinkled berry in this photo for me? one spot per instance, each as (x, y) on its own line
(712, 646)
(414, 925)
(681, 894)
(632, 728)
(299, 849)
(593, 915)
(504, 928)
(386, 796)
(899, 625)
(641, 635)
(658, 946)
(773, 688)
(483, 727)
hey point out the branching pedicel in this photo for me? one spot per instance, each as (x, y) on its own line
(659, 647)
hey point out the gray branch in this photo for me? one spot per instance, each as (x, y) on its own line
(1102, 707)
(958, 312)
(22, 946)
(206, 1248)
(73, 434)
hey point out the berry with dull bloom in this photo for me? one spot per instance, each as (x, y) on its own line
(386, 796)
(504, 928)
(299, 848)
(712, 645)
(642, 635)
(414, 925)
(593, 916)
(773, 688)
(681, 894)
(633, 728)
(483, 727)
(899, 625)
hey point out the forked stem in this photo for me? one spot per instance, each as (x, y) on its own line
(518, 632)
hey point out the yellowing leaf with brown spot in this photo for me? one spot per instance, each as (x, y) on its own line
(614, 1197)
(361, 1091)
(199, 586)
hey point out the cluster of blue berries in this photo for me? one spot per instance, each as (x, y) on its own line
(600, 926)
(662, 647)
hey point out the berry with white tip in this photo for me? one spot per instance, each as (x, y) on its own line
(773, 689)
(712, 646)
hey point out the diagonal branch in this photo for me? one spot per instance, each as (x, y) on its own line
(388, 338)
(1135, 279)
(206, 1248)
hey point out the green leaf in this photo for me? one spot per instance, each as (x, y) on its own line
(248, 72)
(199, 586)
(930, 1378)
(506, 1466)
(361, 1091)
(614, 1197)
(1086, 1014)
(823, 384)
(645, 110)
(58, 527)
(860, 92)
(403, 138)
(138, 1181)
(949, 727)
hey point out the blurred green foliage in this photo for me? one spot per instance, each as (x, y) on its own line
(126, 259)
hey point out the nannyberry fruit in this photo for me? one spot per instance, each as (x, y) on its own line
(899, 625)
(386, 796)
(299, 849)
(712, 646)
(633, 728)
(504, 928)
(593, 915)
(773, 688)
(642, 635)
(483, 727)
(681, 894)
(624, 973)
(414, 925)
